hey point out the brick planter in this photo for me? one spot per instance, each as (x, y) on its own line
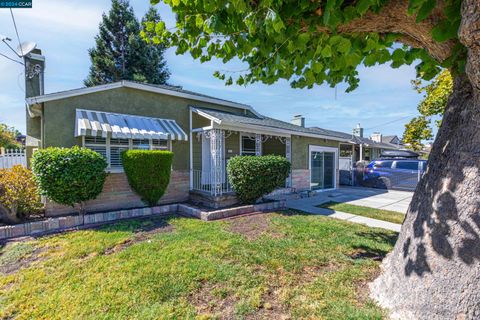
(68, 222)
(229, 212)
(63, 223)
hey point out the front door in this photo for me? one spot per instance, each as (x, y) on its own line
(323, 163)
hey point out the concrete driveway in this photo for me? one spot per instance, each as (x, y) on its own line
(368, 197)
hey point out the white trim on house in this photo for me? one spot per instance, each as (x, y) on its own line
(246, 135)
(139, 86)
(323, 149)
(258, 129)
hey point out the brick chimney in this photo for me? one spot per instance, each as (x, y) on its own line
(298, 120)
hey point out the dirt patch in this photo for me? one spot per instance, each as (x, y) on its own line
(18, 255)
(252, 226)
(271, 307)
(143, 233)
(214, 302)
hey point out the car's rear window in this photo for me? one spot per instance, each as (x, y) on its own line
(407, 165)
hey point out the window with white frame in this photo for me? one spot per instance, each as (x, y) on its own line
(111, 148)
(248, 146)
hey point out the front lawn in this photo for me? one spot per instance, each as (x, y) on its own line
(380, 214)
(266, 266)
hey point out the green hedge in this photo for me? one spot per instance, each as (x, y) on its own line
(148, 172)
(252, 177)
(69, 176)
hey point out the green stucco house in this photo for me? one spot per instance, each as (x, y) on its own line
(203, 132)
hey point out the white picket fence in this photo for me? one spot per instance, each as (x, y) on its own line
(11, 157)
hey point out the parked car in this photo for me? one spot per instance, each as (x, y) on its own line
(394, 173)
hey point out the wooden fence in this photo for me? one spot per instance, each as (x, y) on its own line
(11, 157)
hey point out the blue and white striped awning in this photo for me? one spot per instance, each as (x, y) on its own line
(124, 126)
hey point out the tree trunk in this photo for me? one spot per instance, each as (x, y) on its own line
(9, 216)
(434, 269)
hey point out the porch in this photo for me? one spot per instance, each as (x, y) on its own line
(213, 144)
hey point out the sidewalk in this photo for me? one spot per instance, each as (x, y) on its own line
(309, 205)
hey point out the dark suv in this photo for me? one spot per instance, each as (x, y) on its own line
(394, 173)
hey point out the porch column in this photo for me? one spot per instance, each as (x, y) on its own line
(258, 145)
(361, 152)
(288, 155)
(217, 166)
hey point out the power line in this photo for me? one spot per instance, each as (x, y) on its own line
(382, 124)
(7, 57)
(16, 31)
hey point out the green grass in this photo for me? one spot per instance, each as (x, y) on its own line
(300, 266)
(15, 253)
(385, 215)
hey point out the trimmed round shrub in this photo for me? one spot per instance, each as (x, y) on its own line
(69, 176)
(253, 177)
(19, 196)
(148, 172)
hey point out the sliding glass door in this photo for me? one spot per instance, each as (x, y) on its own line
(323, 167)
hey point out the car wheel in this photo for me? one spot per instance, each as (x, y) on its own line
(383, 183)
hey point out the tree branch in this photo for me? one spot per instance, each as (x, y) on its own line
(394, 18)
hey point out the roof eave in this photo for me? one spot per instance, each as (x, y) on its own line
(139, 86)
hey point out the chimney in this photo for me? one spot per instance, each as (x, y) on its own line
(298, 120)
(358, 131)
(34, 73)
(376, 136)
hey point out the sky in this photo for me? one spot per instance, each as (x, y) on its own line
(65, 30)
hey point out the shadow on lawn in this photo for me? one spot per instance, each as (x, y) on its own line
(364, 251)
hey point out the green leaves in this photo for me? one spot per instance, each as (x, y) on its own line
(302, 41)
(148, 172)
(363, 6)
(344, 46)
(69, 175)
(273, 22)
(253, 177)
(425, 10)
(326, 51)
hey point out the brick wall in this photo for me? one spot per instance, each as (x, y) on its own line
(117, 194)
(301, 179)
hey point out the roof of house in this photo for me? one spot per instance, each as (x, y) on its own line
(265, 122)
(230, 118)
(162, 89)
(389, 139)
(358, 140)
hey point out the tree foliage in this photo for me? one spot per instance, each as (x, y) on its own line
(120, 53)
(8, 137)
(417, 130)
(19, 195)
(434, 101)
(305, 42)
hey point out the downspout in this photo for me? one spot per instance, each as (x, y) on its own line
(191, 147)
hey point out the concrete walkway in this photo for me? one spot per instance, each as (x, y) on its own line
(374, 198)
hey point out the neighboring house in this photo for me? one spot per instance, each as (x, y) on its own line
(203, 132)
(357, 147)
(393, 139)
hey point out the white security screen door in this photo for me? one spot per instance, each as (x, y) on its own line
(323, 163)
